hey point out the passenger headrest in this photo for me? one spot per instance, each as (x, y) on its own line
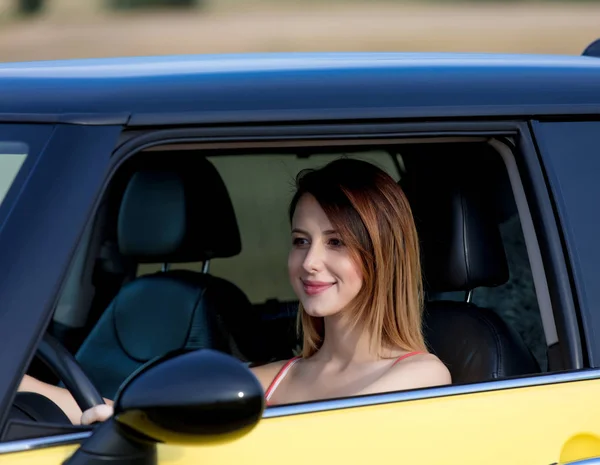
(174, 212)
(457, 221)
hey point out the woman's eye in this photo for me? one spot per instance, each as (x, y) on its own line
(299, 241)
(336, 242)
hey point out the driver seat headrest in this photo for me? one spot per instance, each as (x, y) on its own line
(182, 214)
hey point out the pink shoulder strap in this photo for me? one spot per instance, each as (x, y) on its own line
(279, 377)
(410, 354)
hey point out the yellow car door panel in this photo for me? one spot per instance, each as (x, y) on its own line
(516, 426)
(511, 421)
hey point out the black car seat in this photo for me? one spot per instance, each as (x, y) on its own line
(462, 250)
(173, 216)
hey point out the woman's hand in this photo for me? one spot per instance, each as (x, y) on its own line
(64, 399)
(97, 413)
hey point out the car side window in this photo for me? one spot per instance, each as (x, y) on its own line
(260, 188)
(12, 157)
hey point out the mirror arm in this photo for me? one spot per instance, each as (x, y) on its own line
(111, 445)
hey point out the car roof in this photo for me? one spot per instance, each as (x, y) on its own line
(297, 86)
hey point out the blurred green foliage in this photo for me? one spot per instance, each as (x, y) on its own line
(29, 7)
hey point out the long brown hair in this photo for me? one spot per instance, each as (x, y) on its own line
(372, 215)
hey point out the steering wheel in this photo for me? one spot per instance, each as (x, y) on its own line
(64, 365)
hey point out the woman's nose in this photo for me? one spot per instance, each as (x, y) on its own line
(314, 258)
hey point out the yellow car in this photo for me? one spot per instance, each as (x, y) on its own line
(143, 243)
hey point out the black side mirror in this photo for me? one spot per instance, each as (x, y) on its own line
(182, 398)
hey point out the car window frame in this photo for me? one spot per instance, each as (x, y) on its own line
(515, 133)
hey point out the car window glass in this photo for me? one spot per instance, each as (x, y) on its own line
(261, 187)
(12, 156)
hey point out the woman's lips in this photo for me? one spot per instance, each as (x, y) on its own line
(315, 287)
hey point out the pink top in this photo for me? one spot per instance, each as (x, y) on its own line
(290, 363)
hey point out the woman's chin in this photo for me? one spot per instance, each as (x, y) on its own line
(319, 311)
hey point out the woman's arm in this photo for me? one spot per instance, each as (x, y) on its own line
(65, 401)
(60, 397)
(264, 373)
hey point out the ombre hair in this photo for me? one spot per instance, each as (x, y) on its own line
(371, 214)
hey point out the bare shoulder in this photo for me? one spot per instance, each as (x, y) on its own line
(266, 373)
(418, 371)
(421, 370)
(426, 367)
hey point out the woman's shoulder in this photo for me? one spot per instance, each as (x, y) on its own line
(417, 371)
(266, 373)
(422, 370)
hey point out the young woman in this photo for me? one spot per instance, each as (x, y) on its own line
(354, 265)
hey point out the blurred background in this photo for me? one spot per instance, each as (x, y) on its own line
(56, 29)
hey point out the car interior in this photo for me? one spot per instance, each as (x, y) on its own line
(188, 250)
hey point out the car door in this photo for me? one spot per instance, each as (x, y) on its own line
(551, 420)
(545, 419)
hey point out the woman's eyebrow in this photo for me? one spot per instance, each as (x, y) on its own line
(328, 232)
(299, 231)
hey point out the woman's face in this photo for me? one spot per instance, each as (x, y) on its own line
(323, 274)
